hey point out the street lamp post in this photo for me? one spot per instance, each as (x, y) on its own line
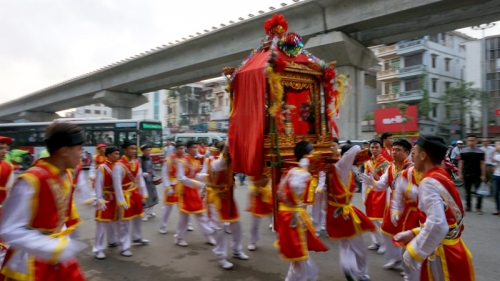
(485, 105)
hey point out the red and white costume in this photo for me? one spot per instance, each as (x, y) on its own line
(404, 203)
(438, 243)
(190, 201)
(296, 234)
(130, 189)
(386, 185)
(106, 215)
(223, 208)
(345, 222)
(6, 182)
(38, 217)
(376, 202)
(387, 153)
(172, 188)
(97, 160)
(260, 204)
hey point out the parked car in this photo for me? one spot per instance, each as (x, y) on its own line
(207, 138)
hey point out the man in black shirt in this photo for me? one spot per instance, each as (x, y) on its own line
(472, 170)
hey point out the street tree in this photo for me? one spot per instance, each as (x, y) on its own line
(462, 102)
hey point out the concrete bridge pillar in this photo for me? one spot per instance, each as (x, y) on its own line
(352, 60)
(122, 103)
(38, 116)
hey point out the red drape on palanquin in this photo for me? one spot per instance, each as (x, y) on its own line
(298, 99)
(246, 125)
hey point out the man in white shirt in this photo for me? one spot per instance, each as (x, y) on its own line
(169, 149)
(488, 155)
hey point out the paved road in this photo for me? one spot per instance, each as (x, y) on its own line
(163, 260)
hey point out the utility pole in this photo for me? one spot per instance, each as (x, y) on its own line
(484, 68)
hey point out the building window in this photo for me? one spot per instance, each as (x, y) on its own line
(413, 60)
(395, 87)
(395, 63)
(435, 111)
(447, 85)
(219, 101)
(97, 111)
(434, 85)
(447, 64)
(386, 65)
(88, 111)
(156, 106)
(434, 57)
(412, 84)
(387, 87)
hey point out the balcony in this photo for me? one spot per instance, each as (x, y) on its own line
(386, 98)
(387, 74)
(412, 47)
(387, 51)
(411, 71)
(412, 95)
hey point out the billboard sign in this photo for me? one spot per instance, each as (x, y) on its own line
(391, 120)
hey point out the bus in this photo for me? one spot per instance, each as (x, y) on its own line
(111, 131)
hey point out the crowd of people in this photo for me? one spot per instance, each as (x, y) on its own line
(413, 210)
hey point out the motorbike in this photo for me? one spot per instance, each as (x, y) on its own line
(453, 171)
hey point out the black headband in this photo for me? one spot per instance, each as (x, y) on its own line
(432, 144)
(110, 150)
(69, 140)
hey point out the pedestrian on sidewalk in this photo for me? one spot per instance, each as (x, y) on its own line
(496, 177)
(472, 170)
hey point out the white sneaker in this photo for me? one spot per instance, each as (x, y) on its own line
(381, 251)
(190, 228)
(252, 247)
(141, 241)
(374, 247)
(100, 255)
(392, 264)
(126, 253)
(163, 230)
(240, 255)
(181, 242)
(323, 228)
(152, 215)
(227, 230)
(211, 240)
(225, 264)
(145, 218)
(271, 226)
(318, 234)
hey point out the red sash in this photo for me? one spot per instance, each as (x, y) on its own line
(376, 202)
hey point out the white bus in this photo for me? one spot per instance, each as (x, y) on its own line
(30, 136)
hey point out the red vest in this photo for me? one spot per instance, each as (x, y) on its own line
(221, 192)
(190, 201)
(5, 172)
(376, 201)
(387, 153)
(129, 180)
(440, 174)
(99, 159)
(171, 163)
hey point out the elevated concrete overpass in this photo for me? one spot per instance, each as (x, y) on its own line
(366, 22)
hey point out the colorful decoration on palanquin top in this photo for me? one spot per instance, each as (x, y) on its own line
(290, 44)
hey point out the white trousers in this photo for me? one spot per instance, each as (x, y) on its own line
(124, 232)
(100, 229)
(377, 235)
(392, 252)
(220, 250)
(412, 275)
(148, 211)
(318, 212)
(202, 220)
(353, 256)
(166, 210)
(305, 270)
(254, 228)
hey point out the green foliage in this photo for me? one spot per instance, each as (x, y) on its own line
(425, 105)
(461, 101)
(369, 116)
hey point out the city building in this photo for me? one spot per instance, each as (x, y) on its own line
(492, 86)
(93, 110)
(418, 72)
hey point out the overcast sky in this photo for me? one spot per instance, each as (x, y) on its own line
(44, 42)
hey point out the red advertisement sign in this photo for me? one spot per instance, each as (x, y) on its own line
(391, 120)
